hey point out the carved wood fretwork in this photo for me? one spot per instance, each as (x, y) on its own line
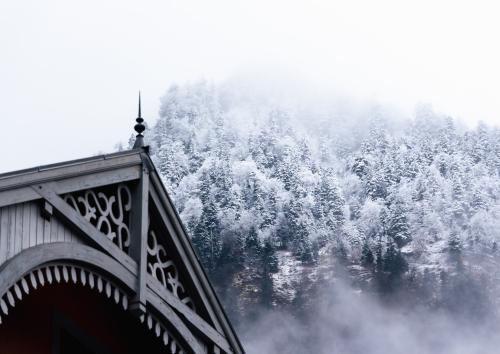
(107, 209)
(162, 267)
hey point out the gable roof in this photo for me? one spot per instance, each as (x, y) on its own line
(122, 167)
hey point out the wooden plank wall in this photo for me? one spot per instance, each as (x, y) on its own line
(22, 226)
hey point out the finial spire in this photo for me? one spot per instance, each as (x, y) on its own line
(139, 127)
(139, 114)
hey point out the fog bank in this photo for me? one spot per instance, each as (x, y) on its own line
(348, 321)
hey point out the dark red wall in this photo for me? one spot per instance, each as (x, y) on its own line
(29, 327)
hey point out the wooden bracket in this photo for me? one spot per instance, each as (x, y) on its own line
(46, 210)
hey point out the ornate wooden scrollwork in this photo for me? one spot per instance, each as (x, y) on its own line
(163, 268)
(107, 210)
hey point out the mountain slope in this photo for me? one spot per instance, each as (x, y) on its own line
(282, 199)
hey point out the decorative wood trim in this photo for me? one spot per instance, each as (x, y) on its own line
(33, 257)
(34, 267)
(68, 273)
(100, 239)
(183, 254)
(164, 269)
(108, 211)
(156, 326)
(201, 327)
(88, 231)
(48, 182)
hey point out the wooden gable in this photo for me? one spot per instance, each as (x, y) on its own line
(108, 223)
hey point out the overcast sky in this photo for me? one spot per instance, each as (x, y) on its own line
(70, 70)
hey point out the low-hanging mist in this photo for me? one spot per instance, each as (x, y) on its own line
(334, 226)
(346, 321)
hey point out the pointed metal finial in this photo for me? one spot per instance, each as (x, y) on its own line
(139, 127)
(139, 114)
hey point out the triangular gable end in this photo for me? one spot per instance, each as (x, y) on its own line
(120, 219)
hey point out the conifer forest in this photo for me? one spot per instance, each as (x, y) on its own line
(294, 204)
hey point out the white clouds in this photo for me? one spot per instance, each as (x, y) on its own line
(70, 71)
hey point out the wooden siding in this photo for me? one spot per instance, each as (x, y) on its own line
(22, 226)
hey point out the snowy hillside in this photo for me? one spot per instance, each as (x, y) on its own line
(281, 198)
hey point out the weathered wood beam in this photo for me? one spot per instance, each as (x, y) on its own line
(18, 195)
(139, 238)
(98, 179)
(68, 170)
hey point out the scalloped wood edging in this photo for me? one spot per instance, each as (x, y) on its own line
(63, 273)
